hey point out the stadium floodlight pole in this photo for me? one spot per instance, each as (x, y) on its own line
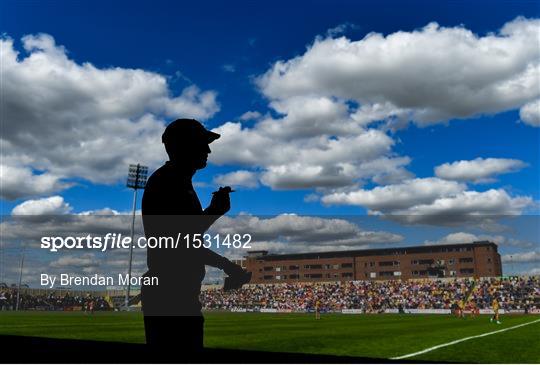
(20, 277)
(1, 261)
(137, 177)
(512, 264)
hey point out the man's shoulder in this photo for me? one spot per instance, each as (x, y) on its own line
(162, 173)
(164, 184)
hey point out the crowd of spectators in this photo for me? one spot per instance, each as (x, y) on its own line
(519, 293)
(376, 296)
(51, 301)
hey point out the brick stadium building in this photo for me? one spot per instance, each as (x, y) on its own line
(477, 259)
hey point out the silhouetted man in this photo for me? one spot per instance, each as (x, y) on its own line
(170, 206)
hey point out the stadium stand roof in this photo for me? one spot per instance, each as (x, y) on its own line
(372, 252)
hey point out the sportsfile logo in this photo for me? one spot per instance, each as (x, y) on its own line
(120, 241)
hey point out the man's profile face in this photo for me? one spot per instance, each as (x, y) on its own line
(200, 154)
(192, 153)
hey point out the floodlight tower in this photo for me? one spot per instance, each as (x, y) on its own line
(137, 177)
(20, 276)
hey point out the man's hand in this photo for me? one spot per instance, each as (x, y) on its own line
(236, 276)
(221, 202)
(232, 269)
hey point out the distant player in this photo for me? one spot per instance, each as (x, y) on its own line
(317, 310)
(495, 307)
(460, 308)
(90, 305)
(473, 308)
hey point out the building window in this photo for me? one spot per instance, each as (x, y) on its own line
(278, 277)
(389, 263)
(372, 275)
(466, 271)
(313, 276)
(397, 273)
(415, 272)
(346, 265)
(452, 273)
(414, 262)
(465, 260)
(451, 262)
(268, 277)
(268, 268)
(489, 260)
(347, 275)
(422, 272)
(426, 262)
(372, 263)
(278, 268)
(294, 267)
(294, 276)
(386, 273)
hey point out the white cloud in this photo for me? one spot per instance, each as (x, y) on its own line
(241, 178)
(327, 99)
(532, 272)
(490, 202)
(251, 115)
(530, 113)
(53, 221)
(72, 119)
(432, 201)
(228, 68)
(433, 74)
(319, 160)
(525, 257)
(461, 237)
(85, 260)
(339, 29)
(294, 233)
(465, 237)
(47, 206)
(18, 181)
(389, 198)
(478, 170)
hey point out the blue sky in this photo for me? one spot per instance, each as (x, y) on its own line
(225, 49)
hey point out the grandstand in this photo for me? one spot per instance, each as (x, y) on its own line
(64, 299)
(516, 294)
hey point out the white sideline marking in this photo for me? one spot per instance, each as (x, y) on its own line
(462, 340)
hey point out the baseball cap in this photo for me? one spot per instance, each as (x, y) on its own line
(187, 130)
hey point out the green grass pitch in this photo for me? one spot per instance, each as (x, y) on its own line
(379, 336)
